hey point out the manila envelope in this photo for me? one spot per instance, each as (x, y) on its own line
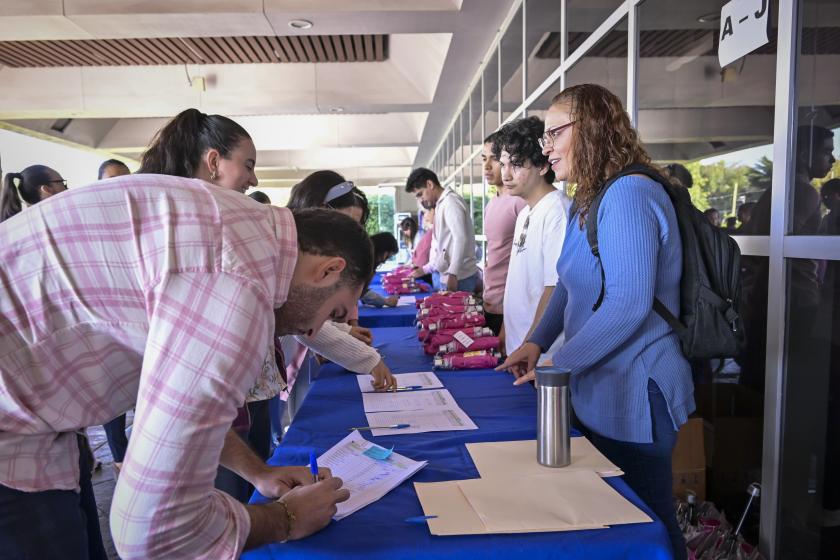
(504, 458)
(571, 501)
(575, 500)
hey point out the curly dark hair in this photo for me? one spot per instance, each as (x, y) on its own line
(520, 139)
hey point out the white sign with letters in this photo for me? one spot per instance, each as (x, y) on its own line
(743, 28)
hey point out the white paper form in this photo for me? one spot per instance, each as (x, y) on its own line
(405, 301)
(419, 421)
(408, 400)
(422, 379)
(367, 479)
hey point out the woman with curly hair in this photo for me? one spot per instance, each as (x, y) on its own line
(631, 385)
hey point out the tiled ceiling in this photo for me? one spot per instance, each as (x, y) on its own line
(194, 50)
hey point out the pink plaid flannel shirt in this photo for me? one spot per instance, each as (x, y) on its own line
(143, 289)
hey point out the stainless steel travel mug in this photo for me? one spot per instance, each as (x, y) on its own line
(553, 417)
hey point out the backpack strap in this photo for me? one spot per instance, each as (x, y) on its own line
(592, 239)
(592, 220)
(669, 318)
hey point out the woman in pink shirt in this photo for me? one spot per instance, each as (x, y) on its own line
(423, 249)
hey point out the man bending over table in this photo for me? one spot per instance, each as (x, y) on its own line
(168, 292)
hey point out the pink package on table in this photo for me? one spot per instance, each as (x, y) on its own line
(445, 336)
(480, 359)
(448, 298)
(403, 290)
(482, 343)
(456, 322)
(447, 310)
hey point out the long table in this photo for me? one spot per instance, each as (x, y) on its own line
(501, 411)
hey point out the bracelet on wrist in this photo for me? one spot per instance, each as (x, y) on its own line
(290, 519)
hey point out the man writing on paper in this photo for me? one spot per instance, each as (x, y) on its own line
(166, 292)
(540, 230)
(453, 263)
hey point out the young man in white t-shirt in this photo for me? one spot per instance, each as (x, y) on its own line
(540, 230)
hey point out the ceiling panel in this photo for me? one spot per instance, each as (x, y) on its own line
(194, 50)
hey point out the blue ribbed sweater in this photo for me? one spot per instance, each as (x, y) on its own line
(613, 352)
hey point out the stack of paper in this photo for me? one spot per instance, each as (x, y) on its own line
(504, 458)
(420, 421)
(368, 478)
(420, 379)
(408, 401)
(406, 300)
(415, 412)
(574, 500)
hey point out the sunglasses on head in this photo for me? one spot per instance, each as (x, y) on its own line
(338, 191)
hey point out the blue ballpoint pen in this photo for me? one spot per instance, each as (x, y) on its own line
(409, 388)
(420, 518)
(391, 427)
(313, 466)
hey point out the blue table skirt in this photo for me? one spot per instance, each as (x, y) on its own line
(501, 411)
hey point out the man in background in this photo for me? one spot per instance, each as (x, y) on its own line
(499, 224)
(453, 263)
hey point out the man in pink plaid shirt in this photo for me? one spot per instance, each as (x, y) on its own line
(168, 293)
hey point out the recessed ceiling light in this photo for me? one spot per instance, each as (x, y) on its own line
(300, 24)
(336, 109)
(709, 18)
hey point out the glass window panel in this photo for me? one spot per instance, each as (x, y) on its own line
(477, 194)
(605, 64)
(584, 17)
(476, 116)
(816, 191)
(717, 123)
(511, 66)
(456, 139)
(730, 399)
(446, 157)
(491, 95)
(451, 159)
(542, 40)
(381, 201)
(466, 145)
(809, 520)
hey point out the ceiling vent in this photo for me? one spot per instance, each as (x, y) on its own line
(195, 50)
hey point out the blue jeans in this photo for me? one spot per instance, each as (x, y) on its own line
(52, 524)
(464, 284)
(647, 466)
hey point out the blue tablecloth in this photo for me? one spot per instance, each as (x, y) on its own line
(501, 411)
(379, 317)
